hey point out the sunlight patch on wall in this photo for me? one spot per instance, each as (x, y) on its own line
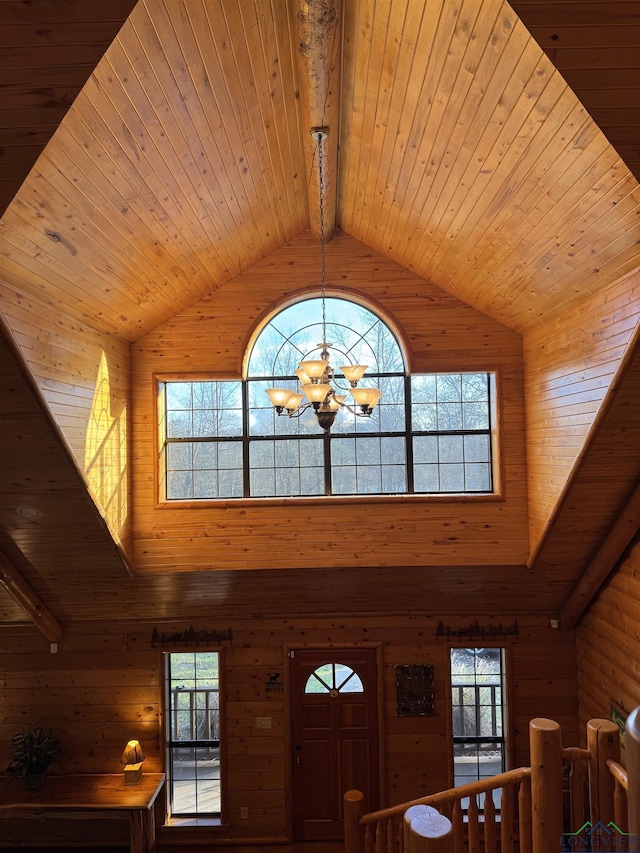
(106, 452)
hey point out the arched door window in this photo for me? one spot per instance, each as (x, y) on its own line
(334, 678)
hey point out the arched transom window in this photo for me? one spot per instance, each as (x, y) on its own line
(334, 678)
(429, 433)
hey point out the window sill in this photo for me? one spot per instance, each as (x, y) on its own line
(228, 503)
(189, 822)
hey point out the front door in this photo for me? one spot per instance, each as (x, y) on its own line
(335, 737)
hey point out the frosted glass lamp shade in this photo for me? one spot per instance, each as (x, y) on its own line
(294, 401)
(279, 396)
(315, 393)
(302, 376)
(336, 401)
(314, 369)
(366, 397)
(353, 372)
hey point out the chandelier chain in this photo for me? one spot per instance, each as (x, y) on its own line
(322, 235)
(316, 375)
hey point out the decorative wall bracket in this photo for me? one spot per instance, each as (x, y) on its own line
(190, 637)
(474, 630)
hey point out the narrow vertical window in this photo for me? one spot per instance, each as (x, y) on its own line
(193, 733)
(477, 685)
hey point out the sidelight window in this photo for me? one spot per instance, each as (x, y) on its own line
(478, 716)
(193, 733)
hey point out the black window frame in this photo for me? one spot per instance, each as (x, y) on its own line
(174, 744)
(244, 440)
(482, 739)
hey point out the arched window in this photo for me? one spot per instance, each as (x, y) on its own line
(334, 678)
(429, 433)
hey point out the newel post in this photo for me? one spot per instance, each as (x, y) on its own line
(603, 742)
(353, 811)
(545, 740)
(632, 748)
(426, 830)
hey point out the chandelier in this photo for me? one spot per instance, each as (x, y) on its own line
(322, 387)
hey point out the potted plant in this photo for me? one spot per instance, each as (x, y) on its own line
(34, 751)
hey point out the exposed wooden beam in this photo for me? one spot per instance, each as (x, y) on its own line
(625, 528)
(20, 590)
(318, 59)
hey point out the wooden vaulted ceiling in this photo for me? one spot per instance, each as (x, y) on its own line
(183, 156)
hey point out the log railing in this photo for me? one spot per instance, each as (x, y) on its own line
(383, 831)
(529, 810)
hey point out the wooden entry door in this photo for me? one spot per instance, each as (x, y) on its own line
(335, 737)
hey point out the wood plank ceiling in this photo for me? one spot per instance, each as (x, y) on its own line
(463, 153)
(50, 47)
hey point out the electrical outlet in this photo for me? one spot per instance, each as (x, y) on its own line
(263, 722)
(244, 813)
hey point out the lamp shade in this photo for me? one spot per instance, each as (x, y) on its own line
(313, 369)
(278, 396)
(316, 393)
(353, 372)
(133, 753)
(366, 397)
(294, 401)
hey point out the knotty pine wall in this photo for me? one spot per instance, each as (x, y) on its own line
(104, 686)
(569, 364)
(608, 644)
(439, 333)
(84, 378)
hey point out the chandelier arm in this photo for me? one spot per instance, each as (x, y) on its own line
(295, 413)
(355, 412)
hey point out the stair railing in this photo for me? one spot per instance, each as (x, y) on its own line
(536, 813)
(383, 831)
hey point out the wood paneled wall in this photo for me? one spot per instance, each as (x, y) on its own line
(569, 364)
(84, 377)
(440, 334)
(608, 644)
(104, 686)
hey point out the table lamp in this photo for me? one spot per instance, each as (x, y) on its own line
(132, 758)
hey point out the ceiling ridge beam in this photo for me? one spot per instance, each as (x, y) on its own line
(318, 66)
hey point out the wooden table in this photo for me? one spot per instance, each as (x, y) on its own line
(93, 794)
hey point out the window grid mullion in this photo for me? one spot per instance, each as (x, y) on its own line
(386, 476)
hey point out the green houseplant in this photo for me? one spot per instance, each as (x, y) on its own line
(34, 751)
